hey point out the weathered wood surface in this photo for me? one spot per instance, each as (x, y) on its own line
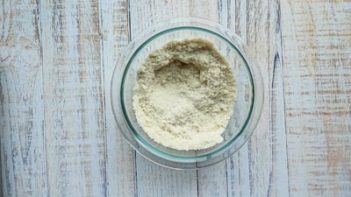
(316, 47)
(58, 136)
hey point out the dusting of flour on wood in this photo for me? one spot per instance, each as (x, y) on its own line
(184, 95)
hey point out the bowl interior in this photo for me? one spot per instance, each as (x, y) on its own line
(244, 91)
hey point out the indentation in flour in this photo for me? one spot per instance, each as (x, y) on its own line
(184, 95)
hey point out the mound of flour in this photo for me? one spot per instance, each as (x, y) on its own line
(184, 95)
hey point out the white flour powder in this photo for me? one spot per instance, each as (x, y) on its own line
(185, 95)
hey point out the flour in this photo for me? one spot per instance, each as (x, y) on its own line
(184, 95)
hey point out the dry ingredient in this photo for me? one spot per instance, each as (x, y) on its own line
(184, 95)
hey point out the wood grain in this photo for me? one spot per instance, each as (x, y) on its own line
(317, 77)
(120, 158)
(154, 180)
(73, 98)
(238, 171)
(23, 167)
(211, 181)
(58, 136)
(253, 171)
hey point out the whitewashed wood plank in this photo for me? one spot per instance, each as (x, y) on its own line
(205, 9)
(260, 166)
(22, 152)
(238, 165)
(157, 181)
(2, 192)
(259, 150)
(120, 166)
(144, 14)
(73, 98)
(279, 179)
(317, 78)
(154, 180)
(238, 173)
(212, 181)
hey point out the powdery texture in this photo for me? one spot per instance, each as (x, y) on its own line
(184, 95)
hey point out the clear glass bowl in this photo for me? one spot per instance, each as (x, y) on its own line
(248, 102)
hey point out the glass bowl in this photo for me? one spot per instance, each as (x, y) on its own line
(247, 107)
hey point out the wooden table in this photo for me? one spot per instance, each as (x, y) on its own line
(59, 138)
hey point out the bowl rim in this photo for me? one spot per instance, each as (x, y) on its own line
(127, 57)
